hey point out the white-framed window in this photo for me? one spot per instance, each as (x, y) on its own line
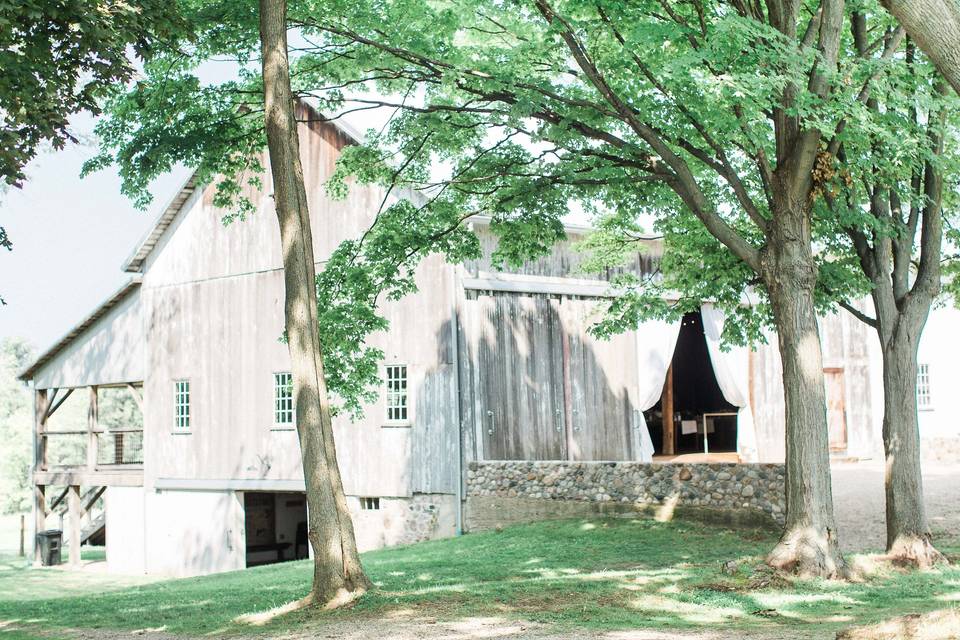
(181, 404)
(924, 398)
(283, 399)
(370, 504)
(397, 393)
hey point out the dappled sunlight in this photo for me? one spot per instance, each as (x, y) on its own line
(664, 512)
(689, 611)
(587, 526)
(263, 617)
(780, 601)
(949, 597)
(485, 627)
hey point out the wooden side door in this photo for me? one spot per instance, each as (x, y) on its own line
(518, 377)
(836, 409)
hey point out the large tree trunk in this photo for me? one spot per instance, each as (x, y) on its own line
(908, 534)
(337, 575)
(808, 545)
(935, 26)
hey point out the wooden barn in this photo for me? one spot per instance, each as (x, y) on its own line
(480, 365)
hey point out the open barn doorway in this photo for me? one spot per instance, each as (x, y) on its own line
(275, 525)
(692, 416)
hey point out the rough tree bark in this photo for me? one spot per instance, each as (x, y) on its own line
(337, 576)
(908, 534)
(935, 26)
(808, 545)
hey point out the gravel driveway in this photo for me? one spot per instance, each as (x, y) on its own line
(859, 504)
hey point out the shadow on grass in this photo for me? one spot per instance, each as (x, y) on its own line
(599, 573)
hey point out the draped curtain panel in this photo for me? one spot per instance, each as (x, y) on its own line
(732, 370)
(656, 341)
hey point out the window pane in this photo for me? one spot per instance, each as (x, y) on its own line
(396, 392)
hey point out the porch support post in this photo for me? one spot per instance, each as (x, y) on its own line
(92, 427)
(42, 405)
(73, 500)
(39, 518)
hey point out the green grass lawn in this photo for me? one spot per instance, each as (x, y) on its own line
(602, 574)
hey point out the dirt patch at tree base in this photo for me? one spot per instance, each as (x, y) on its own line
(943, 624)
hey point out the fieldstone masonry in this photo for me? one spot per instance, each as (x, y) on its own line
(536, 489)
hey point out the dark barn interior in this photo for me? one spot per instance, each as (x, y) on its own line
(690, 391)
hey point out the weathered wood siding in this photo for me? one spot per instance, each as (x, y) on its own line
(564, 260)
(213, 313)
(536, 386)
(110, 351)
(844, 342)
(603, 377)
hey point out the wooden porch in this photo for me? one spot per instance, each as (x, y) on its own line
(93, 458)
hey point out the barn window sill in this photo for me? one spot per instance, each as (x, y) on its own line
(397, 425)
(181, 432)
(283, 427)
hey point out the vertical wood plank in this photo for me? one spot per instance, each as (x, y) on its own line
(73, 499)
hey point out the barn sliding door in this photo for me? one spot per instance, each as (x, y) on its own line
(602, 381)
(518, 394)
(541, 387)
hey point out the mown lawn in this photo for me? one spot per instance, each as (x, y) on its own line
(601, 574)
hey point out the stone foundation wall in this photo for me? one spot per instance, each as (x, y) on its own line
(423, 516)
(506, 492)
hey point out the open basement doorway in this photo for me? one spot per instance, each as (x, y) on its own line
(692, 417)
(275, 525)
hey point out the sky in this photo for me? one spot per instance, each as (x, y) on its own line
(70, 238)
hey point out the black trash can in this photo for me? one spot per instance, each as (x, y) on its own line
(50, 542)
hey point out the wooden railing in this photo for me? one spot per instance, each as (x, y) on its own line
(92, 449)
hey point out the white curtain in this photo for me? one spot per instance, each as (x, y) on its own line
(732, 370)
(655, 343)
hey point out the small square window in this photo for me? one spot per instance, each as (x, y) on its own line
(397, 393)
(924, 397)
(283, 398)
(370, 504)
(181, 404)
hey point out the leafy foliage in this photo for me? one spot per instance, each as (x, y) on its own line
(16, 421)
(59, 58)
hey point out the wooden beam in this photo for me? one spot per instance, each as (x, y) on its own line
(122, 476)
(74, 500)
(93, 416)
(39, 518)
(53, 407)
(668, 445)
(59, 499)
(92, 500)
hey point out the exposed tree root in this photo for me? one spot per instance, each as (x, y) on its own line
(915, 551)
(809, 553)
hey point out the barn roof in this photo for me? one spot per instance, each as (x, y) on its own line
(103, 309)
(134, 264)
